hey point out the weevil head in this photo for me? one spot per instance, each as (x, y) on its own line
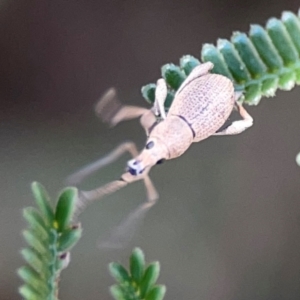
(169, 139)
(155, 152)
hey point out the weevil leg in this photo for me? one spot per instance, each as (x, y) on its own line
(90, 196)
(110, 110)
(198, 71)
(237, 127)
(161, 93)
(87, 197)
(86, 171)
(124, 232)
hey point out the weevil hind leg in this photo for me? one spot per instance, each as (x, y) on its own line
(110, 110)
(237, 127)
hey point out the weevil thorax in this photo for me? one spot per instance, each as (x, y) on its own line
(168, 139)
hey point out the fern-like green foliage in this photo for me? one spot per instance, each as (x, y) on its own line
(139, 282)
(50, 236)
(258, 63)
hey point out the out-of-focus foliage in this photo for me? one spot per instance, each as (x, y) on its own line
(50, 236)
(139, 282)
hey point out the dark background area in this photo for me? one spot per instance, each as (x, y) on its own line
(227, 223)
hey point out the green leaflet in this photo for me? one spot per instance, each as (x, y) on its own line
(49, 237)
(139, 282)
(259, 63)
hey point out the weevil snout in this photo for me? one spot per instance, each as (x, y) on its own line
(135, 167)
(153, 153)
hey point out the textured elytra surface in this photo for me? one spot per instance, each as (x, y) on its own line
(205, 103)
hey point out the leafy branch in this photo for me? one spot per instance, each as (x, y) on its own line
(50, 236)
(258, 64)
(139, 282)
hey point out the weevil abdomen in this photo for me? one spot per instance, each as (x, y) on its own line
(205, 104)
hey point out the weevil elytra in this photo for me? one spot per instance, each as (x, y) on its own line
(201, 106)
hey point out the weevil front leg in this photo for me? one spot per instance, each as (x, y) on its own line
(111, 187)
(125, 230)
(110, 110)
(126, 178)
(161, 93)
(123, 233)
(237, 127)
(197, 72)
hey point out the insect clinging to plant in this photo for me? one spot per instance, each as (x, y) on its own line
(201, 106)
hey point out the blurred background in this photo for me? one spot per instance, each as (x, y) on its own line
(227, 225)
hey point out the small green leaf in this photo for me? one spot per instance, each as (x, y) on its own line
(265, 48)
(234, 62)
(43, 201)
(65, 208)
(173, 75)
(69, 238)
(117, 292)
(253, 93)
(148, 92)
(292, 24)
(36, 223)
(137, 264)
(33, 259)
(210, 53)
(169, 99)
(269, 86)
(29, 293)
(156, 293)
(282, 41)
(248, 54)
(188, 63)
(119, 272)
(297, 73)
(34, 242)
(33, 217)
(149, 278)
(287, 79)
(32, 278)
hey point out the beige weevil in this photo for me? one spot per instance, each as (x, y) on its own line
(201, 106)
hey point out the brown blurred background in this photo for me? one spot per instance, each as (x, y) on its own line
(227, 223)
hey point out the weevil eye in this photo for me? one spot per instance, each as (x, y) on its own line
(159, 162)
(149, 145)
